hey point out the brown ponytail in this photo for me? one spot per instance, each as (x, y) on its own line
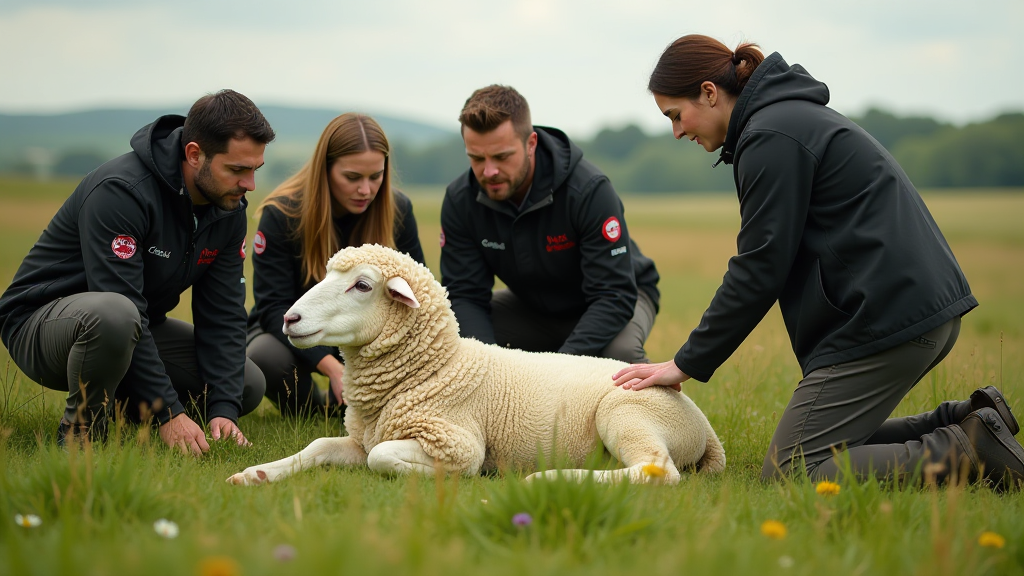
(694, 59)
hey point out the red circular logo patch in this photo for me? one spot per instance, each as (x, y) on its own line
(611, 229)
(259, 243)
(241, 251)
(442, 238)
(123, 246)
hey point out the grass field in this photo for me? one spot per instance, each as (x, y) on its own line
(97, 507)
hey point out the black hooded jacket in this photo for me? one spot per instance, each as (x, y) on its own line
(129, 228)
(831, 228)
(566, 253)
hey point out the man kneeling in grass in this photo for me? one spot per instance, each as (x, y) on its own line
(87, 310)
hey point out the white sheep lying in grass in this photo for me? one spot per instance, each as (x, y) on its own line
(419, 396)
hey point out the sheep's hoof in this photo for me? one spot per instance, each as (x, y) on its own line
(248, 478)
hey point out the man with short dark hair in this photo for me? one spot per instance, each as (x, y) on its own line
(87, 310)
(534, 213)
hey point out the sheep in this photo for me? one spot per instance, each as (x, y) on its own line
(420, 397)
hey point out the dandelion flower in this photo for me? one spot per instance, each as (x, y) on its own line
(27, 520)
(522, 519)
(219, 566)
(284, 553)
(826, 488)
(773, 529)
(654, 471)
(991, 540)
(166, 528)
(786, 562)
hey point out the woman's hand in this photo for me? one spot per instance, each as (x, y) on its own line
(640, 376)
(333, 369)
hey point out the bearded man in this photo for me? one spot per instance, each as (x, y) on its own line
(533, 213)
(87, 310)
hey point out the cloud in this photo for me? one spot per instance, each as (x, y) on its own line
(582, 65)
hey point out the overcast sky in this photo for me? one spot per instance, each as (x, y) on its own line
(582, 64)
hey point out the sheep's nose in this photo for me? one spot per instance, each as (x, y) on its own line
(291, 319)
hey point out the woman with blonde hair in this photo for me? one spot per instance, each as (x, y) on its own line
(341, 197)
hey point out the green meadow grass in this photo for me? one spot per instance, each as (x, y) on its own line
(98, 506)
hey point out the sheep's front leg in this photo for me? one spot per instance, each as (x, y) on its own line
(400, 457)
(335, 451)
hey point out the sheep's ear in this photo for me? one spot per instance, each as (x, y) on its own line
(400, 290)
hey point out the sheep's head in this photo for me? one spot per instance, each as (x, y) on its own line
(354, 302)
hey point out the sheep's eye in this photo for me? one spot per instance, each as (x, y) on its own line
(363, 286)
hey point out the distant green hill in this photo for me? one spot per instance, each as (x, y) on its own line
(71, 142)
(934, 154)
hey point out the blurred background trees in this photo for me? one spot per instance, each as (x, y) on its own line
(934, 154)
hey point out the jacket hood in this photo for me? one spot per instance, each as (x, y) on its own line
(562, 156)
(773, 81)
(158, 145)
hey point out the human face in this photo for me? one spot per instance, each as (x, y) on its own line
(704, 120)
(354, 180)
(501, 161)
(223, 180)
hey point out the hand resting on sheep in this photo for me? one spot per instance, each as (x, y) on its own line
(421, 397)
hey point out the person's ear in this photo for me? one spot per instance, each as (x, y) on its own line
(709, 91)
(193, 155)
(531, 143)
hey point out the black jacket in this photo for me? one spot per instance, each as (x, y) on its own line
(567, 253)
(278, 281)
(831, 228)
(129, 228)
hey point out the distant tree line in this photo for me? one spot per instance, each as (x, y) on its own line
(934, 155)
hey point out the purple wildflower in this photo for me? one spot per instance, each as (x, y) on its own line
(284, 553)
(522, 519)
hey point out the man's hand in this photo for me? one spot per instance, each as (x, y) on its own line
(334, 370)
(182, 433)
(223, 428)
(640, 376)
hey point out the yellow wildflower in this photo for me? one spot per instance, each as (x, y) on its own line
(654, 471)
(773, 529)
(826, 488)
(219, 566)
(991, 540)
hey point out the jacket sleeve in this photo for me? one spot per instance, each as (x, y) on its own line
(112, 211)
(609, 284)
(277, 272)
(465, 273)
(218, 313)
(774, 176)
(407, 234)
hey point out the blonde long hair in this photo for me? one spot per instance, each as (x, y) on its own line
(306, 196)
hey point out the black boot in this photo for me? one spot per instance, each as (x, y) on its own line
(95, 431)
(990, 397)
(996, 457)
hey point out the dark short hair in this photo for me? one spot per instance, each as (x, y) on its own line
(218, 118)
(490, 107)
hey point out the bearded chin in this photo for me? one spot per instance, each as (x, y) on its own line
(204, 184)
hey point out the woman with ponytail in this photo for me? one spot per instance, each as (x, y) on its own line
(834, 231)
(342, 197)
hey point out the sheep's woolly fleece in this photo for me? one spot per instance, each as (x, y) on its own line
(474, 406)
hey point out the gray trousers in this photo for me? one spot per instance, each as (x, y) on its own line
(847, 407)
(290, 383)
(518, 326)
(82, 344)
